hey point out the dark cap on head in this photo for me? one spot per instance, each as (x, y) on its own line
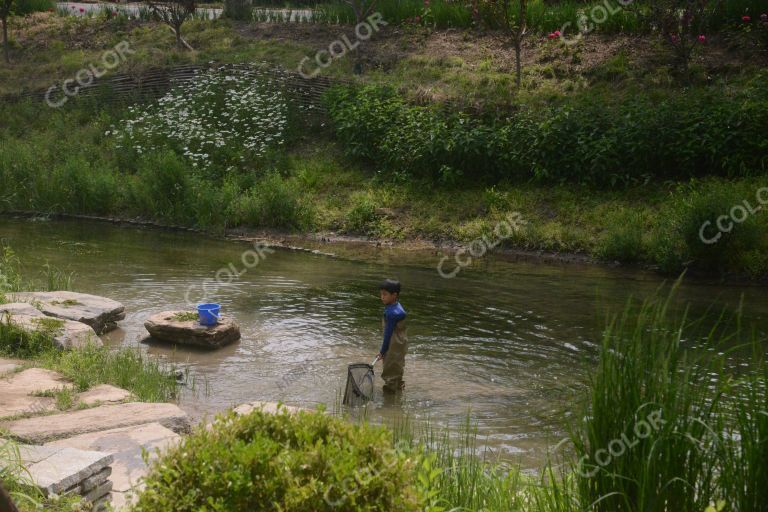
(391, 285)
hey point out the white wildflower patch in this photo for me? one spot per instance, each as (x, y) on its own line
(222, 117)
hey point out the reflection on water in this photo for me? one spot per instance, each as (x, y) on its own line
(509, 342)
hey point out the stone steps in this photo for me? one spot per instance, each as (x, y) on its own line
(125, 445)
(105, 417)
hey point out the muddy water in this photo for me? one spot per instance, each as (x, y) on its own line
(508, 343)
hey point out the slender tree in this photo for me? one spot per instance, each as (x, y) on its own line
(173, 13)
(361, 8)
(6, 9)
(515, 23)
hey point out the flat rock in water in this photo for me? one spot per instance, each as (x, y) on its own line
(101, 313)
(105, 417)
(65, 333)
(170, 326)
(17, 392)
(125, 444)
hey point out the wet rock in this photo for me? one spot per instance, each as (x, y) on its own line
(65, 333)
(175, 327)
(101, 313)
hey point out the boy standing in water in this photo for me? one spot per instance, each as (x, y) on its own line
(395, 343)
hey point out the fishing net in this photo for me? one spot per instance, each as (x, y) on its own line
(359, 388)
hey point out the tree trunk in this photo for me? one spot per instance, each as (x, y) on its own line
(6, 50)
(518, 64)
(178, 39)
(6, 503)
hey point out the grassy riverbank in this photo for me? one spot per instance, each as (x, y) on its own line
(636, 191)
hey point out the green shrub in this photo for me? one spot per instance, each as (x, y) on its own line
(161, 187)
(309, 462)
(585, 141)
(273, 202)
(30, 6)
(362, 217)
(678, 241)
(623, 239)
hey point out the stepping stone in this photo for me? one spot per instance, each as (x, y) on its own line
(16, 391)
(103, 394)
(105, 417)
(267, 407)
(9, 365)
(171, 327)
(101, 313)
(125, 444)
(65, 333)
(56, 470)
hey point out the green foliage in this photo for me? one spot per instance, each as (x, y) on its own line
(272, 202)
(298, 462)
(147, 379)
(654, 409)
(362, 217)
(597, 144)
(29, 6)
(17, 342)
(623, 239)
(688, 234)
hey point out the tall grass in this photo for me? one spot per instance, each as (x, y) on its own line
(649, 438)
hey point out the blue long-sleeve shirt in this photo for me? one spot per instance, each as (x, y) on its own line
(393, 313)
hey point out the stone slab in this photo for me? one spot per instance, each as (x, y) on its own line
(56, 469)
(66, 333)
(93, 481)
(267, 407)
(9, 365)
(105, 417)
(16, 391)
(125, 444)
(103, 394)
(101, 313)
(99, 492)
(164, 327)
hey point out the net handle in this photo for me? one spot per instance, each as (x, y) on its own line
(375, 360)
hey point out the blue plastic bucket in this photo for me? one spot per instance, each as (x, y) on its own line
(208, 313)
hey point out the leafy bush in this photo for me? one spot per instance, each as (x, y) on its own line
(623, 240)
(272, 202)
(299, 462)
(695, 214)
(362, 217)
(585, 141)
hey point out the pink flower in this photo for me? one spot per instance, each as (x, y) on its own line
(426, 3)
(417, 19)
(702, 38)
(746, 19)
(82, 10)
(114, 13)
(673, 38)
(551, 35)
(556, 33)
